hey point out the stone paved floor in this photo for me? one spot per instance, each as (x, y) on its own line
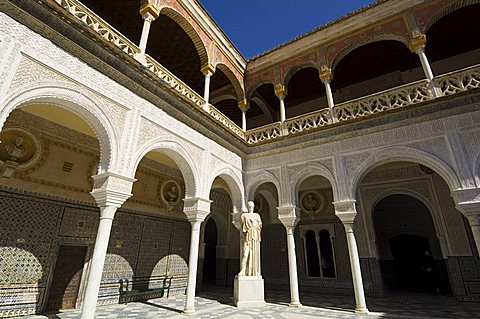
(219, 305)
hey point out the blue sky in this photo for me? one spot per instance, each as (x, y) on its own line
(255, 26)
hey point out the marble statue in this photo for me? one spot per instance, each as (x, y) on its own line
(251, 229)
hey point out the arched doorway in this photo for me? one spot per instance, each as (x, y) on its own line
(409, 251)
(210, 261)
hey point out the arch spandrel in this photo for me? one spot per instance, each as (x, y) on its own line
(334, 59)
(298, 67)
(403, 154)
(427, 16)
(289, 68)
(254, 81)
(76, 102)
(179, 154)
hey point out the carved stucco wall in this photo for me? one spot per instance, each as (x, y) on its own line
(127, 125)
(428, 142)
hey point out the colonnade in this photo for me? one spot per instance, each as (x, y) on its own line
(112, 193)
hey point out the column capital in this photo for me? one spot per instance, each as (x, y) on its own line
(149, 9)
(326, 74)
(346, 211)
(289, 216)
(417, 43)
(243, 105)
(111, 189)
(467, 200)
(208, 69)
(280, 91)
(196, 209)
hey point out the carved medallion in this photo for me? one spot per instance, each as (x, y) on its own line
(311, 203)
(171, 193)
(19, 146)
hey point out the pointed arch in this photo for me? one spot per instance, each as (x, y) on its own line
(376, 38)
(239, 91)
(57, 94)
(200, 45)
(405, 154)
(179, 154)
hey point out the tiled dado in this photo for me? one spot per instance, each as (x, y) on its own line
(17, 299)
(32, 227)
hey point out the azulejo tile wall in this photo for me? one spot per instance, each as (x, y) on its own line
(142, 248)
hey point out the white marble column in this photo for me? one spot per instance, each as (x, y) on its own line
(149, 13)
(97, 262)
(244, 106)
(281, 93)
(147, 21)
(110, 192)
(208, 70)
(289, 219)
(346, 212)
(326, 76)
(417, 45)
(196, 210)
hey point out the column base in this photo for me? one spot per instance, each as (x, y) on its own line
(295, 304)
(248, 292)
(189, 312)
(361, 311)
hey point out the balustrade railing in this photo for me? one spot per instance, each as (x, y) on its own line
(225, 121)
(460, 80)
(264, 133)
(173, 82)
(307, 122)
(398, 97)
(97, 24)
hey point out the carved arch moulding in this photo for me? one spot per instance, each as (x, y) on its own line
(255, 179)
(74, 101)
(234, 183)
(297, 175)
(358, 169)
(180, 154)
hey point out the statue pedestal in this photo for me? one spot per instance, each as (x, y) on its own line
(248, 292)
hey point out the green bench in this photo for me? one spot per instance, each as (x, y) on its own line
(127, 294)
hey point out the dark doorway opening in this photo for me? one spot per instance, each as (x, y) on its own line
(66, 278)
(412, 260)
(210, 259)
(409, 252)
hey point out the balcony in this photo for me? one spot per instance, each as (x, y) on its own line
(395, 98)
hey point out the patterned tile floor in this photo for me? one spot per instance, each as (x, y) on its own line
(219, 304)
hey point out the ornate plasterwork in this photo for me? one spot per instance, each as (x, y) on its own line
(20, 146)
(404, 154)
(257, 178)
(234, 182)
(180, 154)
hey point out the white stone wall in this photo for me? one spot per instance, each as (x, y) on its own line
(34, 70)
